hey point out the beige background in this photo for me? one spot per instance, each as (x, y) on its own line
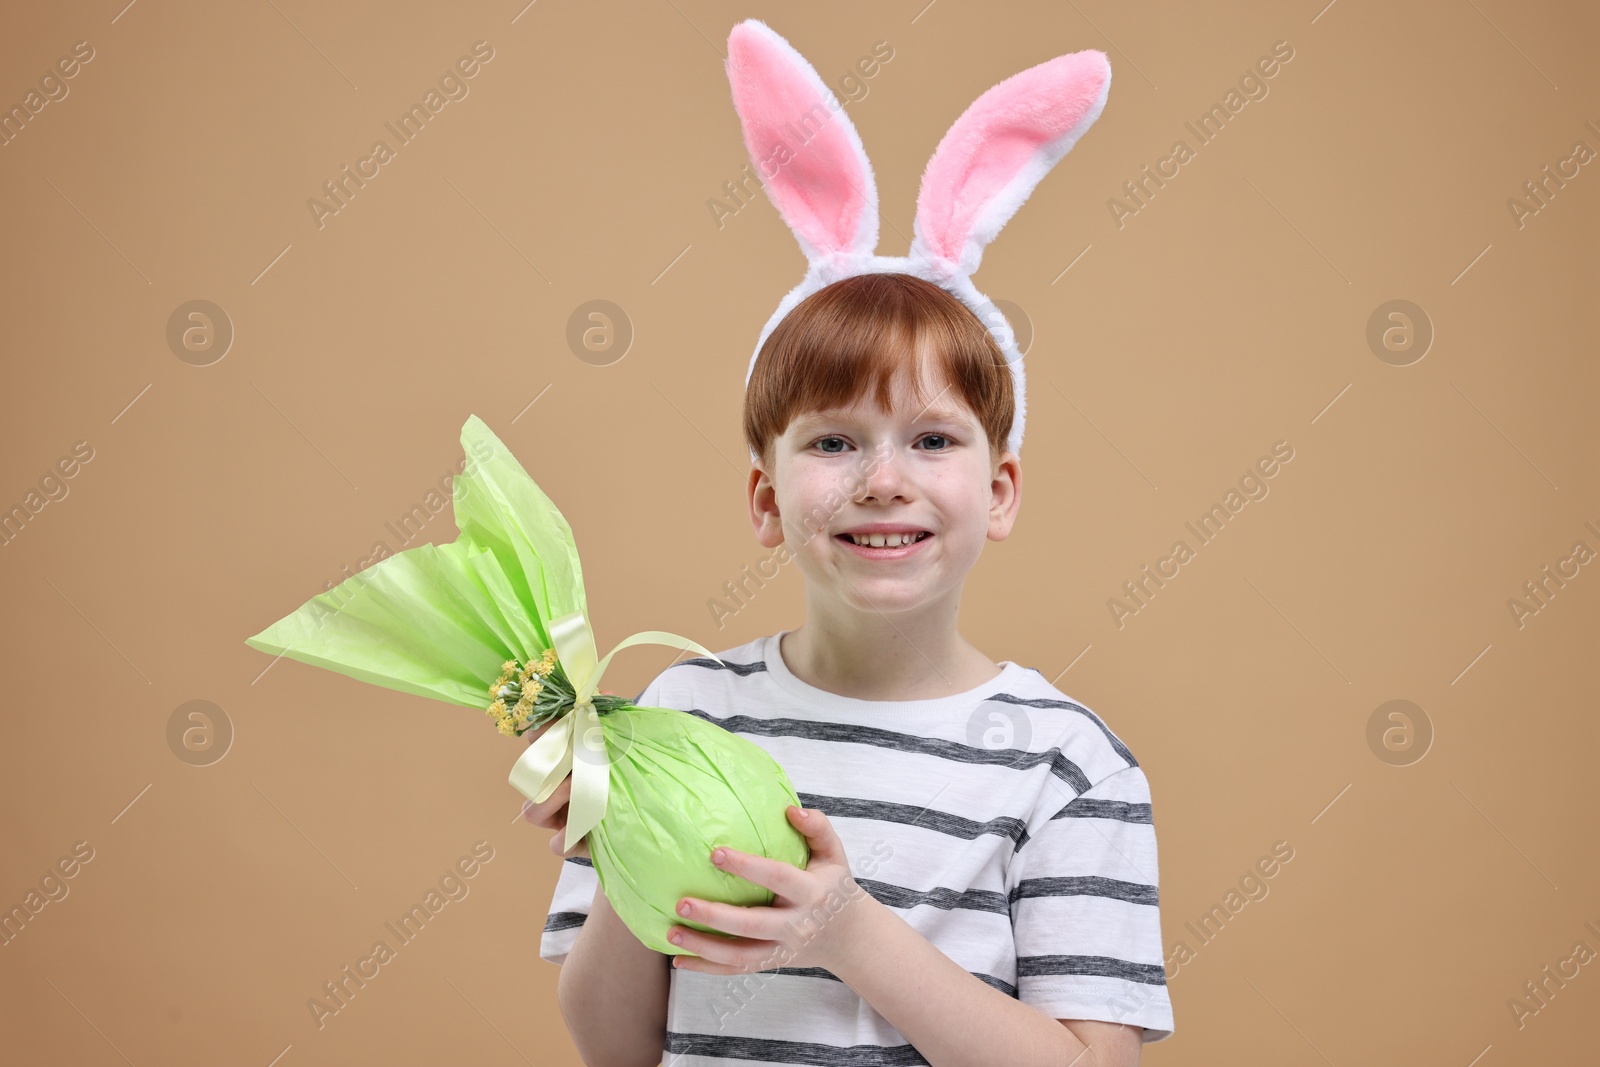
(1228, 314)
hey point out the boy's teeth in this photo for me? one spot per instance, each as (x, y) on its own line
(885, 540)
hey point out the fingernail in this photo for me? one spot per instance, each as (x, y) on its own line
(675, 938)
(719, 855)
(683, 909)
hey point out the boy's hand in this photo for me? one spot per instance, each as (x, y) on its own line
(552, 814)
(767, 937)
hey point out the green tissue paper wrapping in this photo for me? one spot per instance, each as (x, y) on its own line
(497, 620)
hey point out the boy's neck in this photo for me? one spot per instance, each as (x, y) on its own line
(881, 660)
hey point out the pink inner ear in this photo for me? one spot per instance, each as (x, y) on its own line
(994, 140)
(801, 147)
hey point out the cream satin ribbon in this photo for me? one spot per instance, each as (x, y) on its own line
(550, 759)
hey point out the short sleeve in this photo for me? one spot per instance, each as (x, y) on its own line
(575, 888)
(569, 907)
(1085, 910)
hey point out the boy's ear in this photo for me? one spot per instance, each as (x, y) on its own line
(764, 517)
(1005, 495)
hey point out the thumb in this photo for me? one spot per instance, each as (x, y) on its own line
(819, 832)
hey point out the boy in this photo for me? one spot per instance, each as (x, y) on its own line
(982, 885)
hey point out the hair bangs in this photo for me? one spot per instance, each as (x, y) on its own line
(860, 336)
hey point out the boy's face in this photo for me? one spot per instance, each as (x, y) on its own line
(924, 468)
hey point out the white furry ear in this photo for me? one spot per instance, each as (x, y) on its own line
(803, 145)
(998, 150)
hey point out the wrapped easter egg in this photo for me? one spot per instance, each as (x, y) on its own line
(497, 619)
(681, 786)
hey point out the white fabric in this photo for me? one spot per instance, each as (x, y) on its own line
(1008, 824)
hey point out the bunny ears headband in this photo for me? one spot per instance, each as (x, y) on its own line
(816, 173)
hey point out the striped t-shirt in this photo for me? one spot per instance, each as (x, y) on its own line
(1007, 824)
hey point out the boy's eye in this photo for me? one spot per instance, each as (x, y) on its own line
(940, 443)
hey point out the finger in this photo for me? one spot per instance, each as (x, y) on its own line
(737, 953)
(695, 963)
(581, 849)
(822, 838)
(556, 820)
(558, 842)
(544, 812)
(782, 878)
(539, 814)
(760, 923)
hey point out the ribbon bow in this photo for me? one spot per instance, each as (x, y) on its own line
(550, 759)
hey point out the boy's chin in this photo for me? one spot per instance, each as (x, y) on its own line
(885, 596)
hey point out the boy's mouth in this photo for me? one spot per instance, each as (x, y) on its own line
(885, 546)
(890, 540)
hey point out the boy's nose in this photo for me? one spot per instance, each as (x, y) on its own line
(882, 476)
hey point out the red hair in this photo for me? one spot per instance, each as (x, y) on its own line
(855, 337)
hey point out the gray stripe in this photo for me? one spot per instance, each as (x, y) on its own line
(564, 920)
(895, 896)
(851, 733)
(742, 669)
(747, 669)
(1095, 808)
(1047, 702)
(807, 1052)
(999, 983)
(1087, 885)
(819, 972)
(1096, 966)
(911, 815)
(938, 897)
